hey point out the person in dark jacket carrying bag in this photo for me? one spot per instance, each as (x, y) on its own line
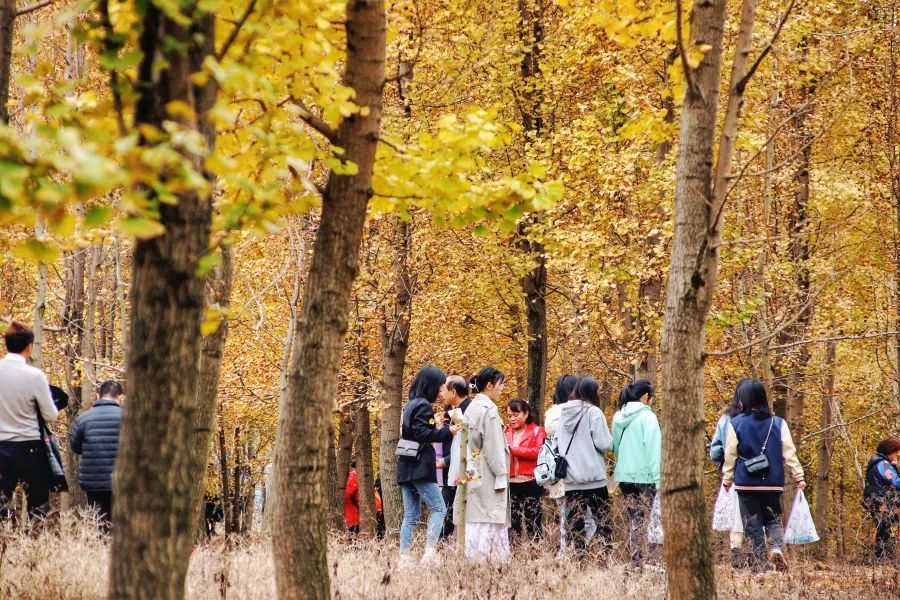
(416, 463)
(96, 438)
(881, 496)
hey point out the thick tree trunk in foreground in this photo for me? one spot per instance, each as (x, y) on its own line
(155, 480)
(692, 273)
(7, 31)
(299, 534)
(394, 344)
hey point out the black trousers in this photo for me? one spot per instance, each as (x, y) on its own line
(884, 541)
(448, 492)
(761, 514)
(638, 500)
(526, 511)
(25, 462)
(577, 502)
(102, 503)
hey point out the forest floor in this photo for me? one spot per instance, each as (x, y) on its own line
(71, 561)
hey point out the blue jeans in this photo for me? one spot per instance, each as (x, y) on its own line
(413, 495)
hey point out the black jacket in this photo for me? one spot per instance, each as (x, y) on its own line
(878, 491)
(418, 426)
(96, 438)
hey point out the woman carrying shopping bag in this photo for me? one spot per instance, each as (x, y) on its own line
(756, 449)
(727, 516)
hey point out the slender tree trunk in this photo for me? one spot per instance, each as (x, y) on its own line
(299, 528)
(223, 474)
(73, 324)
(823, 470)
(365, 477)
(156, 472)
(534, 282)
(212, 350)
(236, 504)
(394, 344)
(692, 278)
(893, 154)
(40, 302)
(335, 495)
(7, 32)
(345, 445)
(88, 348)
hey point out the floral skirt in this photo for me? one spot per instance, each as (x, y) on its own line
(487, 541)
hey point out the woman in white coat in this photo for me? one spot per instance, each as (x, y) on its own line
(487, 489)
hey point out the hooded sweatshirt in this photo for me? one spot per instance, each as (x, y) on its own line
(583, 450)
(637, 443)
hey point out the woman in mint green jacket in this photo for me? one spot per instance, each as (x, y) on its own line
(637, 442)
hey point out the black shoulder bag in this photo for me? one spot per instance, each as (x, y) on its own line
(407, 448)
(562, 465)
(758, 466)
(58, 481)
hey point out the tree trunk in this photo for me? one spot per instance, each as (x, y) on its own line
(212, 349)
(345, 445)
(223, 474)
(365, 477)
(299, 534)
(394, 344)
(692, 277)
(820, 497)
(40, 301)
(73, 324)
(156, 472)
(236, 504)
(534, 282)
(7, 32)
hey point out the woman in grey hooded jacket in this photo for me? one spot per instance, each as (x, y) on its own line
(582, 438)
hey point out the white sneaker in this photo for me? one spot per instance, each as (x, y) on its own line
(430, 557)
(778, 560)
(406, 561)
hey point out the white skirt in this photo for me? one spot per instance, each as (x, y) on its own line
(487, 541)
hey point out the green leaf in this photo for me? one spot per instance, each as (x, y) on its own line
(207, 263)
(97, 216)
(141, 227)
(36, 251)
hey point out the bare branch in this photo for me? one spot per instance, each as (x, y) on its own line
(836, 425)
(762, 55)
(688, 77)
(235, 31)
(837, 338)
(33, 7)
(317, 123)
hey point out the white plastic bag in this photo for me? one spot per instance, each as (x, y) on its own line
(726, 514)
(801, 529)
(654, 524)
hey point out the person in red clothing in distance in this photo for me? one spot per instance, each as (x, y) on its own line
(351, 501)
(524, 439)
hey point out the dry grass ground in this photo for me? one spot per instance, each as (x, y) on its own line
(71, 561)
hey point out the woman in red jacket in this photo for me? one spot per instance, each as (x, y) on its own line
(524, 439)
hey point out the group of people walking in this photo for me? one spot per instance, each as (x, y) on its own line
(28, 454)
(504, 502)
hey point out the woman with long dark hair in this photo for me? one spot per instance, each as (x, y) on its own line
(487, 487)
(417, 474)
(524, 439)
(582, 439)
(758, 446)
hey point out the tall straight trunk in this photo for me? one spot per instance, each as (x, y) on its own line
(299, 535)
(893, 153)
(156, 472)
(534, 282)
(223, 479)
(394, 344)
(40, 304)
(345, 445)
(73, 324)
(823, 470)
(364, 473)
(236, 488)
(700, 193)
(212, 349)
(7, 32)
(88, 347)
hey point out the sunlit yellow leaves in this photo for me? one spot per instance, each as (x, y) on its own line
(37, 251)
(141, 227)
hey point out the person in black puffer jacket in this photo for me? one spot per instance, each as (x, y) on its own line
(96, 438)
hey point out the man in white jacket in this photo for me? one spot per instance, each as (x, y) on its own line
(23, 392)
